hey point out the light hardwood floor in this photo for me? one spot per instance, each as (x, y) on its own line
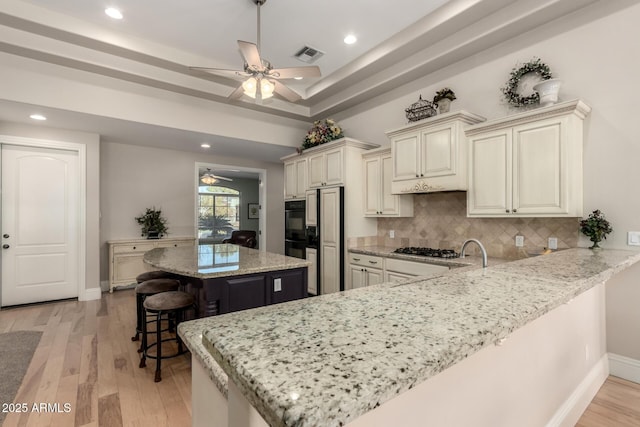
(86, 358)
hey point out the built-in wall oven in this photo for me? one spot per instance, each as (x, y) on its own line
(294, 228)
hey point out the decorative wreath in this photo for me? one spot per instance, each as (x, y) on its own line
(510, 91)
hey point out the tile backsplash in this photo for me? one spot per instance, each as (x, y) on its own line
(440, 221)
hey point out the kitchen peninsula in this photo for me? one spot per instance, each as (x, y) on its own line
(521, 343)
(233, 277)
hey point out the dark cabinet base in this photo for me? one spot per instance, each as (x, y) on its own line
(234, 293)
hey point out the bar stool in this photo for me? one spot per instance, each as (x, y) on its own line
(146, 289)
(172, 303)
(150, 275)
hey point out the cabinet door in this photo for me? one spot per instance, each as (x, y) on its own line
(330, 243)
(538, 182)
(315, 165)
(334, 174)
(394, 276)
(311, 207)
(312, 274)
(301, 178)
(358, 276)
(406, 160)
(438, 151)
(372, 182)
(290, 180)
(490, 174)
(389, 203)
(374, 276)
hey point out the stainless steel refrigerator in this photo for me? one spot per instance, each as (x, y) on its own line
(325, 234)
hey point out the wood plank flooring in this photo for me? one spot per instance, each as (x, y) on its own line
(86, 359)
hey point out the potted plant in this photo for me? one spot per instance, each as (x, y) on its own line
(596, 227)
(154, 226)
(443, 99)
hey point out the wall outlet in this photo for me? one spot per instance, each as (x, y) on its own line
(552, 243)
(277, 285)
(633, 238)
(519, 241)
(392, 233)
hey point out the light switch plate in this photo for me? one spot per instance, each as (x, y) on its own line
(633, 238)
(519, 241)
(277, 285)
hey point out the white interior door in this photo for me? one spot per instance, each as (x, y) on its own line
(40, 224)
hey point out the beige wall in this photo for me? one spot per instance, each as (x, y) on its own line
(92, 143)
(134, 178)
(598, 63)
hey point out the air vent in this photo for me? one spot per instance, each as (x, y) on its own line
(308, 54)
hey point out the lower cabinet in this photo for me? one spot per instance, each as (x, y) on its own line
(126, 257)
(398, 269)
(312, 279)
(367, 270)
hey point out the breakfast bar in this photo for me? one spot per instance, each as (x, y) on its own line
(521, 343)
(227, 277)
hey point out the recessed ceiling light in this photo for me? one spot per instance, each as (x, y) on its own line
(205, 145)
(114, 13)
(350, 39)
(297, 78)
(38, 117)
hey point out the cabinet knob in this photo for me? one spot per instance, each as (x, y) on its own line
(421, 174)
(5, 246)
(134, 247)
(417, 176)
(356, 259)
(507, 211)
(515, 210)
(6, 236)
(373, 262)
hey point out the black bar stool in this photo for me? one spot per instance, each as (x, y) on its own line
(146, 289)
(169, 304)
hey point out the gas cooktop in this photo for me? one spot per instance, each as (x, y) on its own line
(430, 252)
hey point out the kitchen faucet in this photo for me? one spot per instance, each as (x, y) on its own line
(482, 249)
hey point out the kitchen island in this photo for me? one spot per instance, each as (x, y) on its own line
(227, 278)
(521, 343)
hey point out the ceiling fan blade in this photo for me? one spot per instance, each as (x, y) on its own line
(222, 72)
(290, 73)
(236, 94)
(250, 54)
(224, 178)
(285, 92)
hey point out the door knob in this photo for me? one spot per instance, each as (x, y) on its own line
(5, 246)
(6, 236)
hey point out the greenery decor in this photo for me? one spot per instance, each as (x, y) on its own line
(444, 93)
(510, 90)
(596, 227)
(153, 224)
(323, 131)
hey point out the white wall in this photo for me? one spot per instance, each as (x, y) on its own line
(92, 143)
(133, 178)
(598, 61)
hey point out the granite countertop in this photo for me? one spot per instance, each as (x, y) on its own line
(219, 260)
(324, 361)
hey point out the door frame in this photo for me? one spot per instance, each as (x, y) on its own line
(262, 187)
(81, 149)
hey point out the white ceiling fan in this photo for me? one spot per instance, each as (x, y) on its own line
(261, 79)
(209, 178)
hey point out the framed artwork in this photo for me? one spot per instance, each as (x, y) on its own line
(254, 211)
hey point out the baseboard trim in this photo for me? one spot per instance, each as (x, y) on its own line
(624, 367)
(91, 294)
(569, 413)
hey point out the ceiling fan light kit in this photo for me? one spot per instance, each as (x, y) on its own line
(262, 80)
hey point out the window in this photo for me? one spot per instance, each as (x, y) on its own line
(218, 212)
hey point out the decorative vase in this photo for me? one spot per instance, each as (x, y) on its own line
(443, 105)
(548, 91)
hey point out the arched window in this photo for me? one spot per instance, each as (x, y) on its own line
(218, 212)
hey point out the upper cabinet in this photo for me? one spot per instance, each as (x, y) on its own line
(528, 164)
(430, 155)
(295, 178)
(326, 168)
(378, 199)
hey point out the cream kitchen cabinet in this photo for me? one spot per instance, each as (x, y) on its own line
(295, 178)
(378, 199)
(126, 257)
(312, 272)
(365, 270)
(528, 164)
(399, 269)
(326, 168)
(431, 155)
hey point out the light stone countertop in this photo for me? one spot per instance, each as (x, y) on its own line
(207, 261)
(324, 361)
